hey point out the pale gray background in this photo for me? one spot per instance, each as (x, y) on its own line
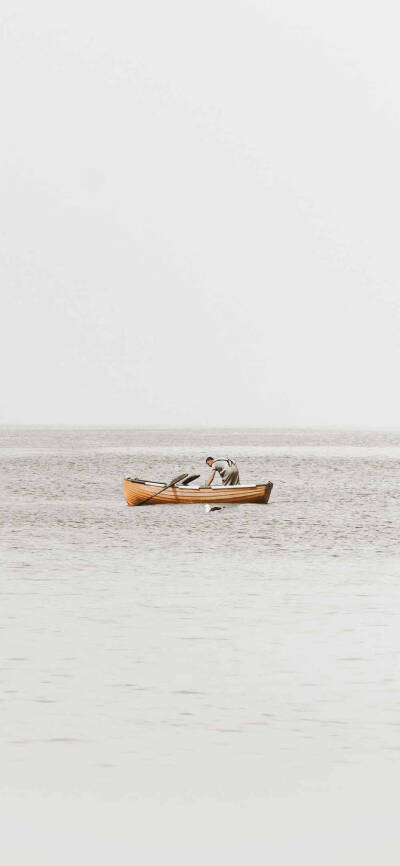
(199, 212)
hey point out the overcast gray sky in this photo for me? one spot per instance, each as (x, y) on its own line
(199, 212)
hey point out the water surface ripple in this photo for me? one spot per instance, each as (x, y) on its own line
(166, 649)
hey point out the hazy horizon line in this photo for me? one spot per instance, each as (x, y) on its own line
(72, 426)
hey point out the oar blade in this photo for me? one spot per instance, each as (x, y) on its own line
(177, 479)
(189, 479)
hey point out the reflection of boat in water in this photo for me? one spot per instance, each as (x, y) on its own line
(137, 490)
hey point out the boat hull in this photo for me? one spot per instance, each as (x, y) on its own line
(136, 492)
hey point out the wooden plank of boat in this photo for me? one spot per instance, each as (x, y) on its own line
(136, 491)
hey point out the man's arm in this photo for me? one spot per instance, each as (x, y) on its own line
(211, 478)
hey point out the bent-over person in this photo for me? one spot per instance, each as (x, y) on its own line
(227, 470)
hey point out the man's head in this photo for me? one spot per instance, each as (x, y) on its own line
(210, 461)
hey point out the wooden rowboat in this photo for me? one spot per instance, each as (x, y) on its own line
(136, 491)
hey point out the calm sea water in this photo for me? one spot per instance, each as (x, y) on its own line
(163, 655)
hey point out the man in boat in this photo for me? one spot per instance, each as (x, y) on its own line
(227, 470)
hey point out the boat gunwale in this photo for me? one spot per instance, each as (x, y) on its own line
(198, 487)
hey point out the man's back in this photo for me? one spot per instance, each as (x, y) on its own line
(228, 471)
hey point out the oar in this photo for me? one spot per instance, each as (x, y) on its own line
(171, 484)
